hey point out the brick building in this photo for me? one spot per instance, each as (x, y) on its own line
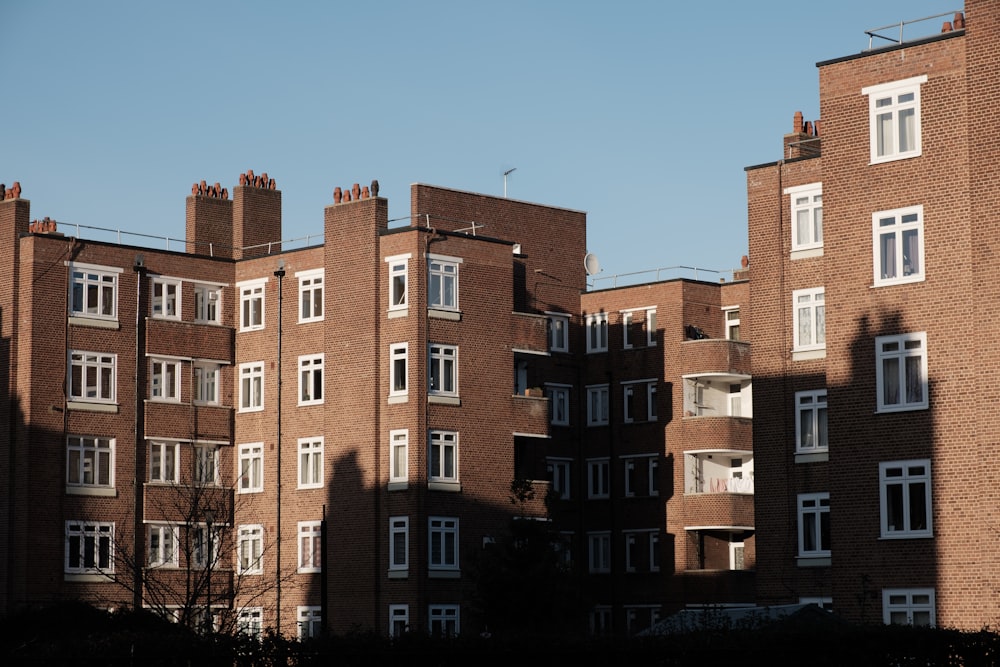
(363, 403)
(865, 272)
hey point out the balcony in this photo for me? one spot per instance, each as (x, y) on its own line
(726, 432)
(529, 414)
(718, 511)
(714, 355)
(187, 339)
(186, 420)
(530, 333)
(718, 394)
(718, 471)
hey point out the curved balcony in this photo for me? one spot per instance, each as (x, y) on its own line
(530, 332)
(714, 355)
(720, 511)
(529, 414)
(725, 432)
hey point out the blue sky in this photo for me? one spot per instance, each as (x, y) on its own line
(643, 114)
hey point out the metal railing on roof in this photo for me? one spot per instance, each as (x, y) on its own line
(875, 32)
(653, 275)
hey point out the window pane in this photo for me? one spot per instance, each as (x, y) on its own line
(894, 507)
(907, 126)
(918, 507)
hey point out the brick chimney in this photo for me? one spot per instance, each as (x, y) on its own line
(803, 141)
(247, 226)
(209, 226)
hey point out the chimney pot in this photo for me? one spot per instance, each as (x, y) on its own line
(959, 21)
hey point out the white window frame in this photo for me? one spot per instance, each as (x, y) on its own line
(310, 546)
(816, 437)
(444, 620)
(398, 369)
(206, 464)
(91, 546)
(806, 203)
(251, 312)
(399, 267)
(442, 368)
(730, 322)
(629, 485)
(399, 620)
(597, 405)
(558, 396)
(654, 551)
(631, 550)
(199, 542)
(161, 387)
(251, 467)
(311, 463)
(599, 478)
(901, 348)
(891, 99)
(251, 383)
(442, 457)
(648, 326)
(558, 330)
(442, 543)
(101, 366)
(814, 510)
(165, 305)
(310, 295)
(399, 455)
(653, 480)
(93, 291)
(813, 302)
(162, 545)
(90, 462)
(250, 621)
(597, 332)
(630, 390)
(399, 536)
(913, 477)
(599, 552)
(310, 620)
(560, 472)
(206, 379)
(892, 226)
(208, 304)
(311, 379)
(164, 462)
(441, 271)
(250, 549)
(897, 602)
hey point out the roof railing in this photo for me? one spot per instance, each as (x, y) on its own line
(875, 32)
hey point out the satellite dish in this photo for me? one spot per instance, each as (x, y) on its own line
(591, 264)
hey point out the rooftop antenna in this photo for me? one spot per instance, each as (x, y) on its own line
(505, 175)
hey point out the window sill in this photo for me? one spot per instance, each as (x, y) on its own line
(165, 318)
(454, 315)
(398, 399)
(244, 411)
(451, 487)
(812, 457)
(807, 355)
(814, 561)
(311, 320)
(908, 535)
(444, 574)
(309, 570)
(904, 408)
(83, 321)
(91, 491)
(306, 404)
(915, 278)
(307, 487)
(444, 400)
(92, 407)
(398, 574)
(89, 578)
(397, 486)
(249, 329)
(806, 253)
(398, 312)
(894, 158)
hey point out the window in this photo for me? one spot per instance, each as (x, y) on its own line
(93, 291)
(630, 480)
(310, 622)
(161, 545)
(397, 369)
(399, 543)
(627, 325)
(399, 620)
(252, 305)
(310, 546)
(206, 464)
(810, 422)
(651, 401)
(628, 415)
(89, 547)
(166, 298)
(398, 455)
(905, 498)
(654, 476)
(597, 405)
(814, 525)
(442, 288)
(443, 370)
(908, 606)
(443, 543)
(597, 332)
(559, 477)
(207, 304)
(901, 372)
(398, 267)
(894, 119)
(600, 621)
(732, 323)
(250, 549)
(252, 386)
(639, 401)
(206, 545)
(807, 216)
(310, 463)
(558, 404)
(443, 457)
(250, 621)
(898, 245)
(163, 462)
(443, 620)
(310, 295)
(558, 333)
(311, 379)
(206, 383)
(90, 461)
(599, 549)
(251, 468)
(92, 377)
(654, 552)
(638, 331)
(598, 478)
(810, 319)
(165, 380)
(631, 551)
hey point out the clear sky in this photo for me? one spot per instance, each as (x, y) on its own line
(641, 113)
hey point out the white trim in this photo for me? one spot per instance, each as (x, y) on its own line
(93, 267)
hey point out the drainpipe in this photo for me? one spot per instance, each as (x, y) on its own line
(279, 274)
(139, 450)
